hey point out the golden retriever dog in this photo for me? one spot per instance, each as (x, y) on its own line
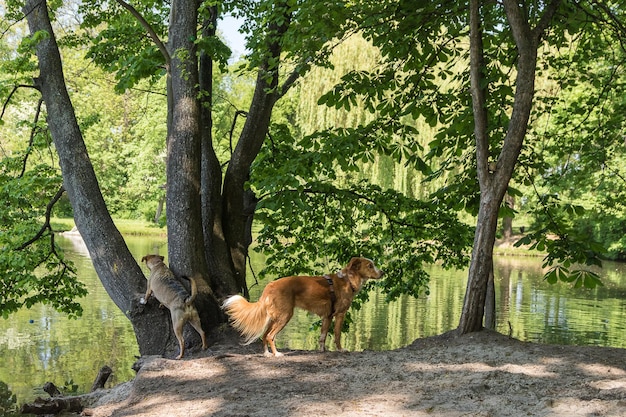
(327, 296)
(171, 293)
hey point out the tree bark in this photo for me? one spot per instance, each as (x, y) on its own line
(494, 182)
(118, 271)
(221, 268)
(236, 204)
(186, 245)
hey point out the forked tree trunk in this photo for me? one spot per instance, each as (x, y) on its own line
(481, 266)
(494, 177)
(208, 221)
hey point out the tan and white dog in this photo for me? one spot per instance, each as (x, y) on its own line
(327, 296)
(171, 293)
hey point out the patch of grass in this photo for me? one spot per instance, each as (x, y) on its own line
(139, 228)
(506, 247)
(61, 224)
(126, 227)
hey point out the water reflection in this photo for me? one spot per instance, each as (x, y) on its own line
(528, 308)
(559, 314)
(40, 345)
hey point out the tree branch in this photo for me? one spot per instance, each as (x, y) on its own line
(46, 225)
(151, 32)
(479, 93)
(233, 125)
(289, 82)
(546, 19)
(520, 28)
(8, 100)
(32, 137)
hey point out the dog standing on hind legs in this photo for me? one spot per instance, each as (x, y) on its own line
(327, 296)
(171, 293)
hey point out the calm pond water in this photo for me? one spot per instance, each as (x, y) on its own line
(39, 345)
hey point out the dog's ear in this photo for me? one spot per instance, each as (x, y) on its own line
(144, 259)
(354, 264)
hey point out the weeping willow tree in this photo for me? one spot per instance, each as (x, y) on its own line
(388, 171)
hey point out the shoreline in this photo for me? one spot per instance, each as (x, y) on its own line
(479, 374)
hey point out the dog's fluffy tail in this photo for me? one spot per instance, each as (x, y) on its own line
(250, 319)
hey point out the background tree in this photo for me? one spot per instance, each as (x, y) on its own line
(582, 150)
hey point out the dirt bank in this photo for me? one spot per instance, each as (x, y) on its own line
(484, 374)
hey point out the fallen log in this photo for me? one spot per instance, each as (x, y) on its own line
(52, 406)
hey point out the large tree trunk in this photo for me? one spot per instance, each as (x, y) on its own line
(494, 178)
(185, 242)
(184, 151)
(118, 271)
(218, 258)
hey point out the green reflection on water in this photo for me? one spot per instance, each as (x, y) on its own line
(40, 345)
(536, 311)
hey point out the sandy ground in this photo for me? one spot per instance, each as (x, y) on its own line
(482, 374)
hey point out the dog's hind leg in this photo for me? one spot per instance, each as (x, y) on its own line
(275, 326)
(266, 341)
(194, 320)
(178, 331)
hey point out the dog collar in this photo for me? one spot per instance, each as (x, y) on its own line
(341, 275)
